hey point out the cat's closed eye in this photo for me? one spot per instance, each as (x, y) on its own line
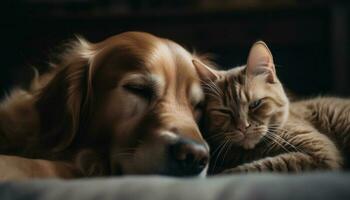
(255, 104)
(220, 117)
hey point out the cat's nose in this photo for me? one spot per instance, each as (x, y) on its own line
(243, 126)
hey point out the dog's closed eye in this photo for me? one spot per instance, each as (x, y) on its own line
(140, 90)
(198, 109)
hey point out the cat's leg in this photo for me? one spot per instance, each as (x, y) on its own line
(288, 162)
(312, 151)
(331, 116)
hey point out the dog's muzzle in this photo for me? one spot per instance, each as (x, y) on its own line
(187, 158)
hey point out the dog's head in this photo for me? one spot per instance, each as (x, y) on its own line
(134, 94)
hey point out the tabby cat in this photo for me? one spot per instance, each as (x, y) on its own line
(251, 126)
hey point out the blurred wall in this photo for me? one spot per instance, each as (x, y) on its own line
(310, 41)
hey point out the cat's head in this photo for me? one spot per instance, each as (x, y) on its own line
(245, 103)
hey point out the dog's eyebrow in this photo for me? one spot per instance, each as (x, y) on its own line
(136, 78)
(143, 78)
(154, 81)
(157, 81)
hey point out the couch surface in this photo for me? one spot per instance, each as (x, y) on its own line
(335, 186)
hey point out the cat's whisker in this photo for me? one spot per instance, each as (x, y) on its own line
(214, 154)
(276, 141)
(216, 87)
(219, 153)
(228, 148)
(275, 129)
(218, 147)
(270, 144)
(213, 88)
(208, 90)
(288, 143)
(214, 96)
(215, 136)
(284, 140)
(275, 126)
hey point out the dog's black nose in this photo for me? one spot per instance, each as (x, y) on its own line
(189, 157)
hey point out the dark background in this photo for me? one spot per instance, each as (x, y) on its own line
(309, 39)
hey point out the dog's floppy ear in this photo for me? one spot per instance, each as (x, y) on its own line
(62, 100)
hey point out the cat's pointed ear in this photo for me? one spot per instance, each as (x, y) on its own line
(205, 73)
(260, 61)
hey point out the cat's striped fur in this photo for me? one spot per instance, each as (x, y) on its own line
(277, 135)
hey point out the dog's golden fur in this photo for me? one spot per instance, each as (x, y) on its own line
(105, 108)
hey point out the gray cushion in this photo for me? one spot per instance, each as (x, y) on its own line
(241, 187)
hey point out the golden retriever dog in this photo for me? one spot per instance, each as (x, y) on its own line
(126, 105)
